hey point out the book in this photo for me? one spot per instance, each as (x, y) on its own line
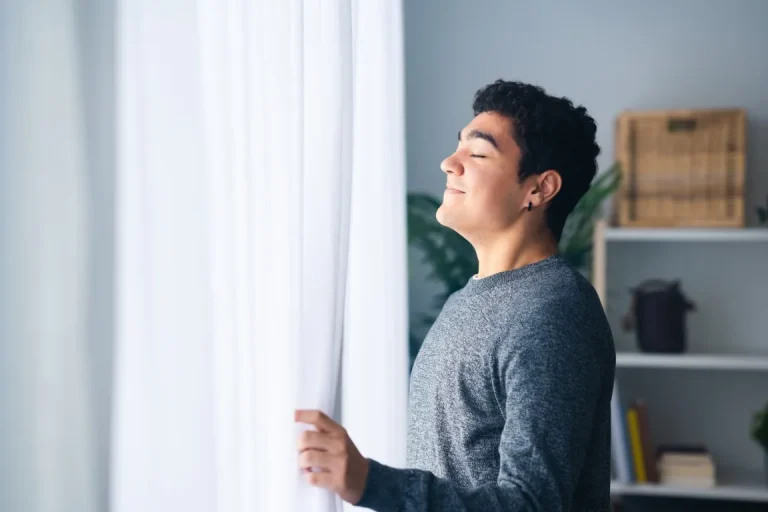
(620, 449)
(689, 465)
(649, 455)
(637, 448)
(698, 483)
(682, 460)
(683, 448)
(687, 472)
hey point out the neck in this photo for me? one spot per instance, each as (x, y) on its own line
(513, 249)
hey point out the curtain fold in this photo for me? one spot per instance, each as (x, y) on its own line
(284, 194)
(375, 360)
(163, 438)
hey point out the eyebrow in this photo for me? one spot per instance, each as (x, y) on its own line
(477, 134)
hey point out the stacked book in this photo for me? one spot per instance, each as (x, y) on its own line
(686, 465)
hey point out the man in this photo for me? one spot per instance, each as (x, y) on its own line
(510, 393)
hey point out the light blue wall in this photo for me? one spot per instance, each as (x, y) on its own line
(93, 57)
(606, 55)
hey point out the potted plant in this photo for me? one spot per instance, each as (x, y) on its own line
(451, 260)
(760, 432)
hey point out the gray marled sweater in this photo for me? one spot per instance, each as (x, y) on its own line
(509, 401)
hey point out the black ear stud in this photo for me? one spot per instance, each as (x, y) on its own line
(530, 205)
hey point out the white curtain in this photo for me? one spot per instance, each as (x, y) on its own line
(261, 246)
(47, 451)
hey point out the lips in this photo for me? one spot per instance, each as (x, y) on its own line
(453, 190)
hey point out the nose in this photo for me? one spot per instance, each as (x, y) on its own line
(452, 165)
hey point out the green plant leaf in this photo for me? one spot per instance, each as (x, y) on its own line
(576, 240)
(759, 429)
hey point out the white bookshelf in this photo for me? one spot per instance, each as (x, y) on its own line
(692, 361)
(731, 366)
(686, 235)
(738, 488)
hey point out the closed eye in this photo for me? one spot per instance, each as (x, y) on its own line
(477, 156)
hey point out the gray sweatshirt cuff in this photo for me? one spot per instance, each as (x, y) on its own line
(384, 487)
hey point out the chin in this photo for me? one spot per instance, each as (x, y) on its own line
(443, 216)
(449, 219)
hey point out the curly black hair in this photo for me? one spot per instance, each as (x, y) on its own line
(552, 134)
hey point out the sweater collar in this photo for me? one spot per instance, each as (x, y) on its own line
(475, 286)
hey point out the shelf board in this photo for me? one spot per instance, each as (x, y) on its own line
(752, 488)
(686, 235)
(692, 361)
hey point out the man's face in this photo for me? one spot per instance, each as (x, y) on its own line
(483, 194)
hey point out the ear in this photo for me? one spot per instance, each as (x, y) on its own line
(546, 187)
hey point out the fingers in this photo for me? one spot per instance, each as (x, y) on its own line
(310, 440)
(319, 479)
(328, 458)
(316, 459)
(318, 419)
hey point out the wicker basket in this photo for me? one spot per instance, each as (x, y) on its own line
(682, 168)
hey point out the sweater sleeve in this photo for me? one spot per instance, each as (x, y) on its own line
(551, 385)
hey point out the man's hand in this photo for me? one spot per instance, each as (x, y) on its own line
(337, 464)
